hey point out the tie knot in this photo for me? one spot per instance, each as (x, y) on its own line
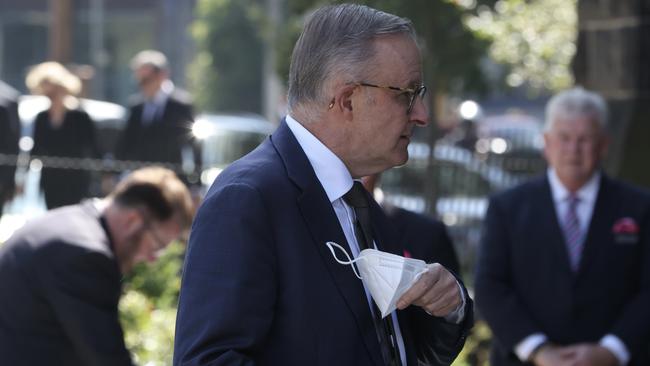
(573, 199)
(356, 196)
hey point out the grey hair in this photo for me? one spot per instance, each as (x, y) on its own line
(576, 102)
(337, 40)
(153, 58)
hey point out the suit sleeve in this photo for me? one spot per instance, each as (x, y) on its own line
(84, 294)
(496, 298)
(633, 325)
(90, 137)
(228, 290)
(39, 135)
(437, 341)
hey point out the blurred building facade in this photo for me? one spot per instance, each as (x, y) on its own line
(99, 35)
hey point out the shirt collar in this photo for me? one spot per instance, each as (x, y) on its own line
(331, 172)
(586, 193)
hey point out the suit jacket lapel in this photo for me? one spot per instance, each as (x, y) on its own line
(324, 226)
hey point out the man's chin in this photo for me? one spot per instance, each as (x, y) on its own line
(401, 160)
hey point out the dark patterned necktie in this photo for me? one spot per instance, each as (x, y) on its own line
(357, 198)
(573, 233)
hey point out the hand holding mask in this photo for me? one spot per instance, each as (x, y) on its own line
(386, 276)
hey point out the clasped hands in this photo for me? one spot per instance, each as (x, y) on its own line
(581, 354)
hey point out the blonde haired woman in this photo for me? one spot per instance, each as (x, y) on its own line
(63, 130)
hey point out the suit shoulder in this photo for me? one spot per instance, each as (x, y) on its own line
(521, 191)
(416, 219)
(258, 169)
(135, 100)
(626, 193)
(181, 96)
(79, 113)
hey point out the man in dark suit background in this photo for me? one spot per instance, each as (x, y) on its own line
(159, 125)
(9, 135)
(60, 274)
(421, 236)
(260, 286)
(563, 274)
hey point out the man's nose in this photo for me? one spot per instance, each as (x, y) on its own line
(420, 112)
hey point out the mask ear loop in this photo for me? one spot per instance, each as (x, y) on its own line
(331, 245)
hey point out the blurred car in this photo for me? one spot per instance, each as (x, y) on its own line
(227, 137)
(513, 141)
(462, 184)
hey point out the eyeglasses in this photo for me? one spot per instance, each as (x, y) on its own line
(160, 242)
(411, 93)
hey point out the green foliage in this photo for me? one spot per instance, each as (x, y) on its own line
(227, 73)
(148, 331)
(477, 347)
(148, 307)
(159, 281)
(536, 38)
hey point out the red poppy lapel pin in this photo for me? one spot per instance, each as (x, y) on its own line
(625, 231)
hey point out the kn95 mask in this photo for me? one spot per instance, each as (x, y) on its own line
(386, 276)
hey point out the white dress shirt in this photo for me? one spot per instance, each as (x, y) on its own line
(155, 107)
(336, 180)
(586, 195)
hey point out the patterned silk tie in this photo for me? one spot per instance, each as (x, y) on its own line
(573, 233)
(357, 199)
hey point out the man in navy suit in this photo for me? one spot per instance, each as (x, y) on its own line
(160, 119)
(61, 273)
(563, 274)
(260, 286)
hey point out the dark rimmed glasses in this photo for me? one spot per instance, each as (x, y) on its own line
(419, 91)
(151, 228)
(160, 243)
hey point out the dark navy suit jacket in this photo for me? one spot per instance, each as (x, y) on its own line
(164, 138)
(524, 283)
(260, 287)
(60, 286)
(423, 237)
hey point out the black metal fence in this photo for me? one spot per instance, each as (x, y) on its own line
(454, 183)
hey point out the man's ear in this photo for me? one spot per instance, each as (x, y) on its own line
(342, 101)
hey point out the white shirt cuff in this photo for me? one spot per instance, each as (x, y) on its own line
(617, 347)
(525, 348)
(458, 314)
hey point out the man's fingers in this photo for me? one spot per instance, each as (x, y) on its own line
(427, 280)
(436, 291)
(441, 307)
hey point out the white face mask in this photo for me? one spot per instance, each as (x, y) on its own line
(387, 276)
